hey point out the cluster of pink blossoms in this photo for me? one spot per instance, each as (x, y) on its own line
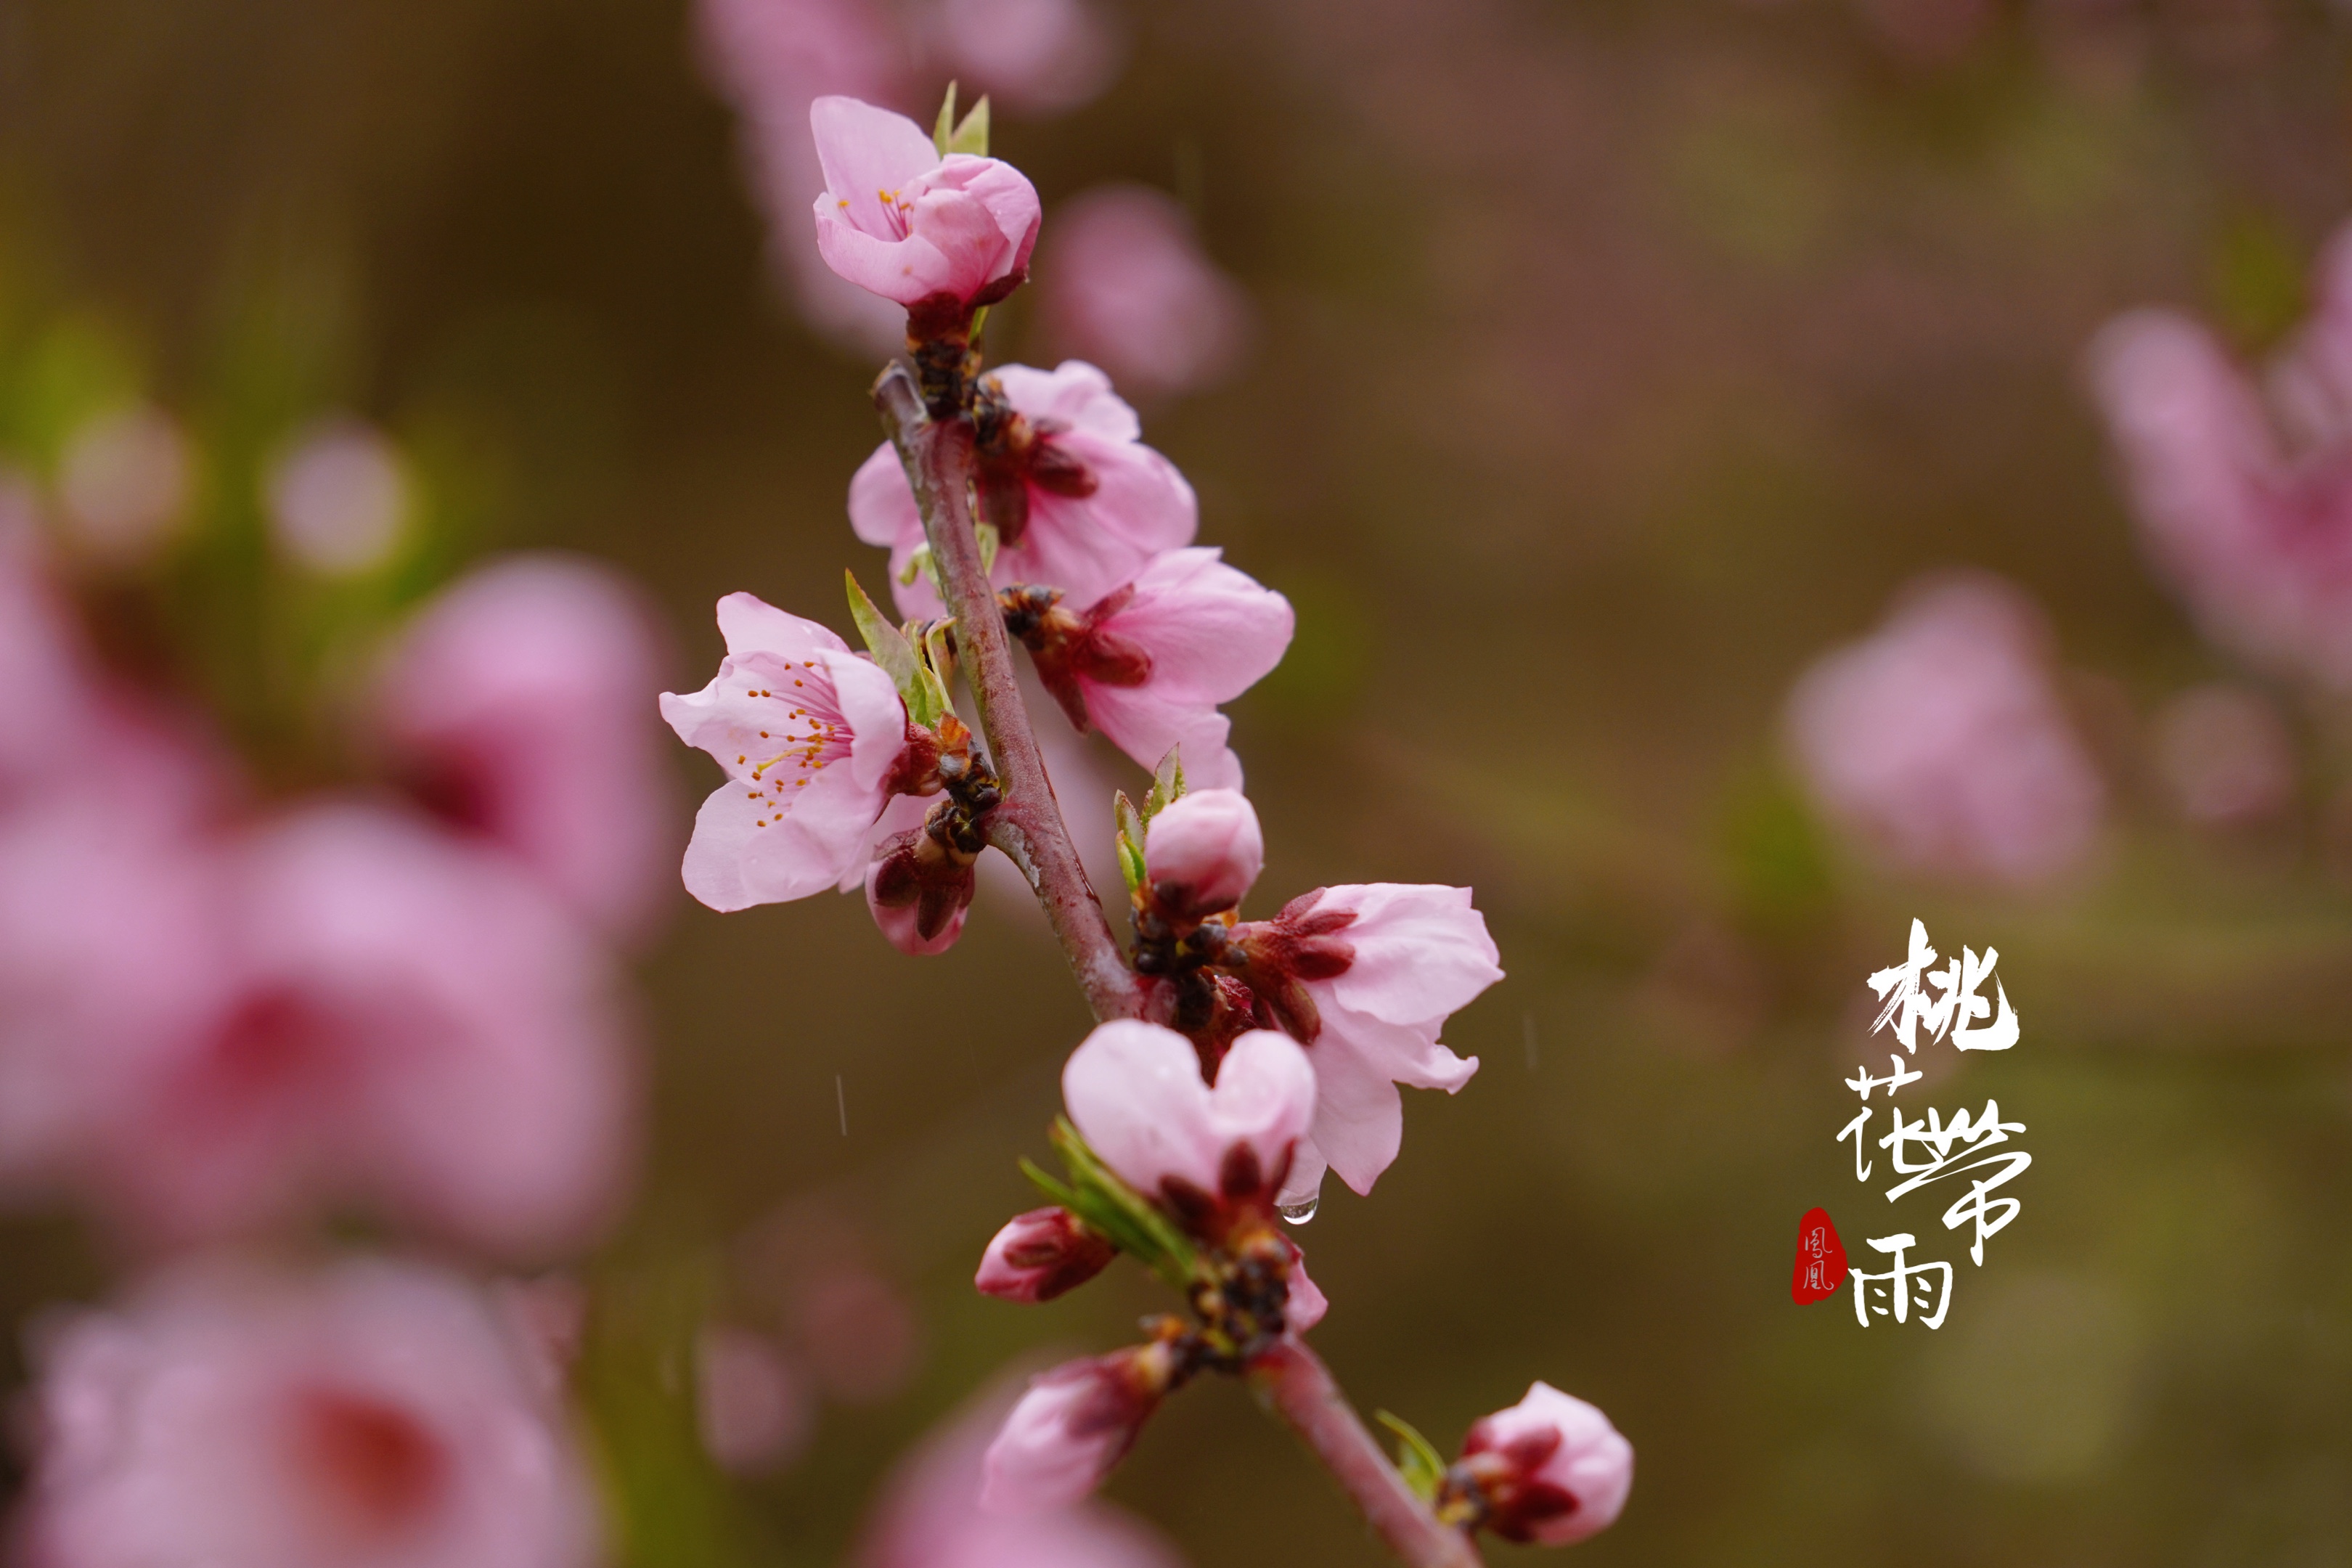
(226, 1022)
(1237, 1059)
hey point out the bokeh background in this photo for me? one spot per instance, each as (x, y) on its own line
(1607, 363)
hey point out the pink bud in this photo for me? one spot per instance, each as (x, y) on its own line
(1074, 1425)
(1204, 852)
(1041, 1255)
(919, 889)
(1551, 1468)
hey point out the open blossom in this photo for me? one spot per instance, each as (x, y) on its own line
(1148, 664)
(810, 736)
(376, 1415)
(929, 1514)
(1203, 852)
(346, 1007)
(1550, 1470)
(897, 219)
(514, 703)
(1135, 1091)
(1040, 1255)
(1074, 1426)
(2248, 512)
(1366, 976)
(1126, 285)
(1079, 502)
(1940, 740)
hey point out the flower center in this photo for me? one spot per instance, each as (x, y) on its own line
(810, 731)
(382, 1470)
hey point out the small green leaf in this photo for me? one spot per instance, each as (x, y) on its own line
(1167, 784)
(971, 135)
(1131, 832)
(978, 324)
(938, 662)
(896, 655)
(1417, 1461)
(1055, 1192)
(986, 533)
(1100, 1198)
(943, 129)
(917, 563)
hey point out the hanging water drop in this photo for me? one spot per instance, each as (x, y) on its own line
(1299, 1213)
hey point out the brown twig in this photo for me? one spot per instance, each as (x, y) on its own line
(938, 455)
(1293, 1379)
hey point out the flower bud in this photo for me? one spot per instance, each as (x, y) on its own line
(1203, 852)
(1041, 1255)
(1550, 1469)
(1074, 1425)
(920, 885)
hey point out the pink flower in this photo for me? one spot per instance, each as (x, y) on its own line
(1136, 1092)
(773, 58)
(900, 221)
(1041, 1255)
(929, 1514)
(1127, 285)
(1552, 1467)
(373, 1413)
(346, 1007)
(919, 886)
(124, 483)
(810, 736)
(753, 1409)
(1148, 664)
(1203, 852)
(1079, 502)
(1366, 976)
(1074, 1426)
(1041, 57)
(515, 701)
(1940, 742)
(2250, 517)
(339, 498)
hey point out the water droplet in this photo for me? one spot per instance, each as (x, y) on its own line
(1300, 1213)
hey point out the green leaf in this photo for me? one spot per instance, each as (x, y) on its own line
(918, 565)
(896, 655)
(971, 135)
(1417, 1461)
(1055, 1192)
(939, 664)
(1099, 1198)
(986, 533)
(1132, 833)
(1167, 784)
(943, 129)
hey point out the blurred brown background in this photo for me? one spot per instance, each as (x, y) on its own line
(1612, 361)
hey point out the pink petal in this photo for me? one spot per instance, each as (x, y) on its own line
(1422, 952)
(865, 151)
(751, 624)
(1135, 1092)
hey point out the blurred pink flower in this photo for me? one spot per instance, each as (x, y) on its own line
(1940, 742)
(773, 58)
(515, 701)
(753, 1408)
(1205, 851)
(1040, 1255)
(1154, 658)
(345, 1006)
(1135, 1091)
(2250, 518)
(2224, 754)
(1552, 1468)
(809, 734)
(375, 1413)
(1123, 282)
(1073, 1427)
(339, 497)
(1040, 56)
(124, 483)
(1366, 976)
(929, 1514)
(898, 220)
(1094, 504)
